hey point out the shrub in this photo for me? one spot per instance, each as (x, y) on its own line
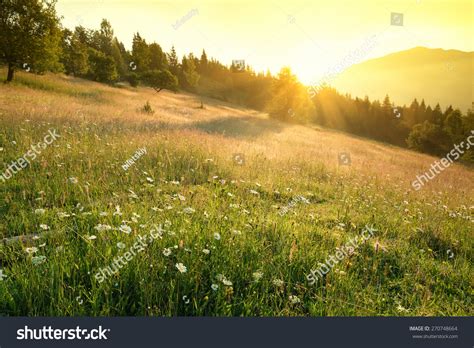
(147, 109)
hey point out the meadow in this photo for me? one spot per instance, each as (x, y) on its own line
(211, 188)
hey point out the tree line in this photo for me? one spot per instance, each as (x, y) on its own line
(32, 34)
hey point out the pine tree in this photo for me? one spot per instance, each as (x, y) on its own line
(140, 54)
(158, 59)
(173, 62)
(203, 63)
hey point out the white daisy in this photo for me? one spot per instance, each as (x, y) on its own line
(44, 227)
(294, 299)
(182, 268)
(257, 276)
(226, 282)
(206, 251)
(31, 250)
(277, 282)
(217, 236)
(189, 210)
(120, 245)
(214, 287)
(101, 227)
(92, 237)
(167, 251)
(73, 180)
(125, 229)
(40, 211)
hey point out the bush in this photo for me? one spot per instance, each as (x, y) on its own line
(133, 79)
(147, 109)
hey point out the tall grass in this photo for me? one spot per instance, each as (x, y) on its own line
(219, 219)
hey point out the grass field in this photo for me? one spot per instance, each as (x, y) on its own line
(221, 245)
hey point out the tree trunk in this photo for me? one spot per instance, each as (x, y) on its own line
(11, 72)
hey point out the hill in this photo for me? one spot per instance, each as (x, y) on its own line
(219, 211)
(437, 75)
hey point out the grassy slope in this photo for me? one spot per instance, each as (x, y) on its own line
(189, 164)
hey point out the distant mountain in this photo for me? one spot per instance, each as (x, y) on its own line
(437, 75)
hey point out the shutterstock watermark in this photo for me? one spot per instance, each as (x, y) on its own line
(136, 156)
(292, 204)
(341, 253)
(121, 261)
(185, 18)
(445, 162)
(48, 333)
(30, 155)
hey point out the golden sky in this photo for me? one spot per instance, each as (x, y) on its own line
(310, 36)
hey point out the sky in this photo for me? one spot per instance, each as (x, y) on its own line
(310, 36)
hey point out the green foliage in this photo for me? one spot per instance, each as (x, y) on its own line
(30, 35)
(158, 60)
(140, 54)
(75, 58)
(102, 67)
(289, 101)
(173, 62)
(428, 137)
(160, 79)
(147, 109)
(133, 79)
(188, 77)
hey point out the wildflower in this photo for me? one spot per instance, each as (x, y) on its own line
(217, 236)
(150, 180)
(401, 309)
(182, 268)
(226, 282)
(40, 211)
(103, 213)
(63, 215)
(206, 251)
(126, 229)
(167, 251)
(294, 299)
(38, 260)
(132, 194)
(92, 237)
(277, 282)
(44, 227)
(31, 250)
(181, 197)
(73, 180)
(185, 299)
(101, 228)
(117, 210)
(257, 276)
(188, 210)
(214, 287)
(254, 193)
(120, 245)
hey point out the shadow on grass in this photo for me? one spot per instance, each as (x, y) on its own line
(239, 127)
